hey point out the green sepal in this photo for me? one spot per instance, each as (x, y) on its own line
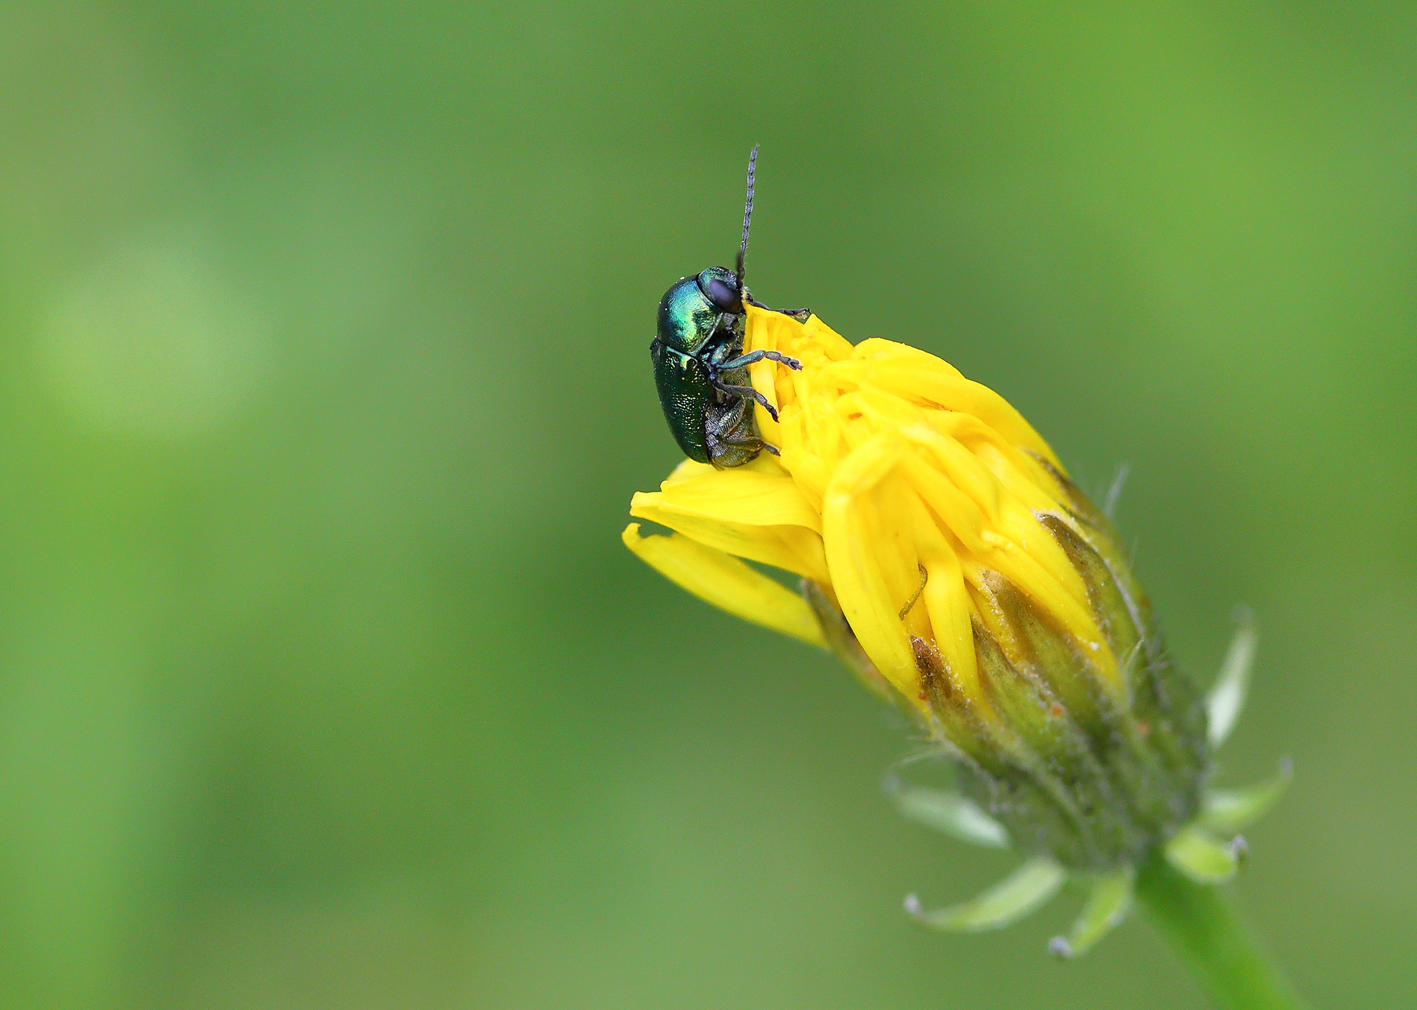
(948, 812)
(1108, 903)
(1227, 696)
(1023, 891)
(1226, 811)
(1203, 857)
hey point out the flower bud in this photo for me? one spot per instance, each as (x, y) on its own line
(950, 562)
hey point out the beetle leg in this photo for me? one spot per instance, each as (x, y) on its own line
(798, 314)
(743, 443)
(761, 355)
(748, 393)
(752, 445)
(732, 438)
(754, 441)
(749, 443)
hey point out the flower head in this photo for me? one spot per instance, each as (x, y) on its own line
(946, 556)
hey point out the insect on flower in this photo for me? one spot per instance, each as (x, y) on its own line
(699, 364)
(947, 558)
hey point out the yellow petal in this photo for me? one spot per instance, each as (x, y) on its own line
(727, 583)
(957, 393)
(877, 350)
(751, 512)
(770, 334)
(746, 496)
(832, 343)
(947, 602)
(855, 569)
(791, 548)
(962, 469)
(687, 470)
(959, 514)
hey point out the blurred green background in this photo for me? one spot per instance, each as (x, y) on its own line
(324, 387)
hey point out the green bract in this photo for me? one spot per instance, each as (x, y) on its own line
(1208, 849)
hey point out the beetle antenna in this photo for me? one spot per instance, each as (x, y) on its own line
(747, 217)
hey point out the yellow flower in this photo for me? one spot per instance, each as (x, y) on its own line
(895, 472)
(946, 557)
(980, 584)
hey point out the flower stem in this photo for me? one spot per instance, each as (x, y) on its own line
(1205, 928)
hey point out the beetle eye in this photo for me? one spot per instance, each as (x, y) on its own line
(723, 295)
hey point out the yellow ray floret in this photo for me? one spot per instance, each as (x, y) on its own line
(895, 470)
(727, 583)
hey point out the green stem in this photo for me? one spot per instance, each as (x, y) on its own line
(1204, 927)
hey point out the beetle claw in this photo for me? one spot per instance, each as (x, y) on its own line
(783, 359)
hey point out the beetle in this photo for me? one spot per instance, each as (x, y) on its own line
(700, 369)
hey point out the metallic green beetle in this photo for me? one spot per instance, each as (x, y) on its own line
(699, 367)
